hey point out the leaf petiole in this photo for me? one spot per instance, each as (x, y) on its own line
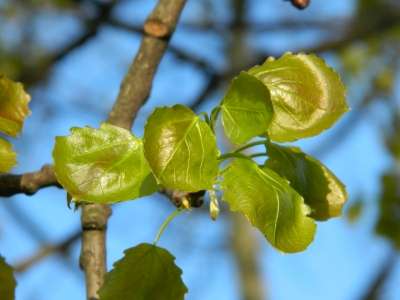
(205, 115)
(167, 222)
(262, 142)
(258, 154)
(223, 157)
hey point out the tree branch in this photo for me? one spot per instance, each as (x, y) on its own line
(134, 91)
(47, 250)
(37, 73)
(28, 183)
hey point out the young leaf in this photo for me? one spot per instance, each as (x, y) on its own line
(320, 188)
(7, 160)
(246, 109)
(13, 110)
(307, 95)
(146, 272)
(7, 281)
(102, 166)
(13, 106)
(181, 149)
(270, 204)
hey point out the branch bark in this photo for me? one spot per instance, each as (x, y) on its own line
(28, 183)
(134, 91)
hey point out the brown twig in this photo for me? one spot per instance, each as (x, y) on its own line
(27, 183)
(134, 91)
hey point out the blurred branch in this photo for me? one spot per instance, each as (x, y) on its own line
(47, 250)
(37, 73)
(134, 91)
(178, 53)
(374, 290)
(359, 29)
(28, 183)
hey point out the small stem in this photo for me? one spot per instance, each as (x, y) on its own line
(258, 154)
(205, 115)
(223, 170)
(262, 142)
(231, 154)
(166, 223)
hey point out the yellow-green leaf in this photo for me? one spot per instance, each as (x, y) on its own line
(102, 166)
(13, 106)
(181, 149)
(270, 204)
(7, 160)
(307, 95)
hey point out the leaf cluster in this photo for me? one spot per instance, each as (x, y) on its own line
(294, 97)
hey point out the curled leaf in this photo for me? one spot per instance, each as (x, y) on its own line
(320, 188)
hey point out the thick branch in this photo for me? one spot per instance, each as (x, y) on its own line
(134, 91)
(27, 183)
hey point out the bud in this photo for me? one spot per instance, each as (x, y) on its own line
(301, 4)
(214, 206)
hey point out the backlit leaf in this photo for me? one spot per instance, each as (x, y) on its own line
(145, 272)
(7, 281)
(270, 204)
(7, 160)
(246, 109)
(307, 95)
(320, 188)
(13, 106)
(181, 149)
(102, 166)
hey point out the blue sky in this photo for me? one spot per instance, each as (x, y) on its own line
(338, 265)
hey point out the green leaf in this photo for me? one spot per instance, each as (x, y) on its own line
(7, 160)
(270, 204)
(13, 110)
(181, 149)
(246, 108)
(146, 272)
(7, 281)
(320, 188)
(389, 218)
(13, 106)
(307, 95)
(102, 166)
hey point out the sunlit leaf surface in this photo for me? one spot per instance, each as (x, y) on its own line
(307, 95)
(7, 160)
(181, 149)
(145, 272)
(13, 106)
(270, 204)
(102, 166)
(320, 188)
(13, 110)
(246, 109)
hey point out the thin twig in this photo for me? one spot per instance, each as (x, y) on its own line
(47, 250)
